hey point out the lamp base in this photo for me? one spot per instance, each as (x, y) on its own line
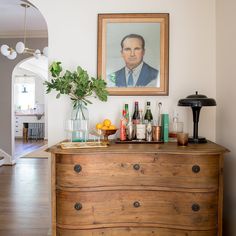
(197, 140)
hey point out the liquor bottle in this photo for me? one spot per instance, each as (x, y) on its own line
(141, 127)
(127, 112)
(136, 115)
(173, 128)
(148, 115)
(149, 131)
(176, 127)
(129, 129)
(123, 127)
(141, 117)
(135, 119)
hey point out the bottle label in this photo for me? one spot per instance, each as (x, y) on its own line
(122, 130)
(136, 122)
(140, 131)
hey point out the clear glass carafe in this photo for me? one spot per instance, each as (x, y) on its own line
(78, 125)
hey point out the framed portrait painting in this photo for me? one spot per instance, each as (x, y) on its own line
(133, 53)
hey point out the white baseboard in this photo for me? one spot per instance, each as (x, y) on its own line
(7, 159)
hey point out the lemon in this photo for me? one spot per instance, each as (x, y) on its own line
(99, 126)
(112, 127)
(104, 127)
(106, 122)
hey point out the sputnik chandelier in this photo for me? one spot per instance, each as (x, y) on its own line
(21, 48)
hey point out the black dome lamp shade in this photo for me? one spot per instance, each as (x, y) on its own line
(196, 102)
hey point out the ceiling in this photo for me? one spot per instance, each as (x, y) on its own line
(12, 20)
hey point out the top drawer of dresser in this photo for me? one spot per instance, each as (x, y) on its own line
(157, 170)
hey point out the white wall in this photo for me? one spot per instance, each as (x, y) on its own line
(72, 30)
(226, 96)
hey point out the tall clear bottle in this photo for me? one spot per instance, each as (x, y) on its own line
(129, 129)
(135, 119)
(148, 115)
(141, 121)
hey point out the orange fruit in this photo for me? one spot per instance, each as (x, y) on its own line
(106, 122)
(99, 126)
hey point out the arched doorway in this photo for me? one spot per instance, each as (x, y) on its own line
(11, 32)
(29, 106)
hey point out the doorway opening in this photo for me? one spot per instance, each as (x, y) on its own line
(29, 106)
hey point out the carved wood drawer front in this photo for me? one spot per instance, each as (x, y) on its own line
(128, 231)
(161, 170)
(195, 211)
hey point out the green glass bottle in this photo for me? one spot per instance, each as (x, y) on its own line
(148, 115)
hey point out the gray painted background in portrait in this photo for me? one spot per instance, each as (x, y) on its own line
(117, 31)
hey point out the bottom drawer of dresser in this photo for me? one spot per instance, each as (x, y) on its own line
(134, 232)
(182, 210)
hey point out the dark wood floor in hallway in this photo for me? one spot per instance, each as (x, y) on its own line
(23, 147)
(24, 198)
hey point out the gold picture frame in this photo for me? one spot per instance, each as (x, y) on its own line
(153, 29)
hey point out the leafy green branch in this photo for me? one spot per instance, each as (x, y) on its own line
(77, 84)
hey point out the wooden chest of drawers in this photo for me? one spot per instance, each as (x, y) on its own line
(138, 189)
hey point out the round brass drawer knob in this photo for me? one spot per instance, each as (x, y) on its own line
(195, 207)
(196, 168)
(78, 206)
(136, 166)
(136, 204)
(77, 168)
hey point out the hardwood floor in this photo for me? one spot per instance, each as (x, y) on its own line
(24, 198)
(23, 147)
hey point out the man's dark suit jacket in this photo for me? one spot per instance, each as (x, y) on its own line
(147, 74)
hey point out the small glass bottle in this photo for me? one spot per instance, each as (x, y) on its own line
(176, 126)
(173, 131)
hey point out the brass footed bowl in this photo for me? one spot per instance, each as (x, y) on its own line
(107, 133)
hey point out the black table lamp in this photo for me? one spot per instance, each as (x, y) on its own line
(196, 102)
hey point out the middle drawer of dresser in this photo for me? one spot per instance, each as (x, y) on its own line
(197, 211)
(156, 170)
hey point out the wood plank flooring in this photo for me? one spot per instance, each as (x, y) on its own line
(23, 147)
(24, 198)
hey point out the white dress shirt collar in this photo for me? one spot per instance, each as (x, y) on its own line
(136, 73)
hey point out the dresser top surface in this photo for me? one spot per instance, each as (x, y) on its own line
(206, 148)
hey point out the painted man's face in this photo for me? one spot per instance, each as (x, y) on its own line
(132, 52)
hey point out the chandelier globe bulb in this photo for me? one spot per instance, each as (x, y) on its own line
(5, 50)
(12, 55)
(20, 47)
(45, 51)
(37, 53)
